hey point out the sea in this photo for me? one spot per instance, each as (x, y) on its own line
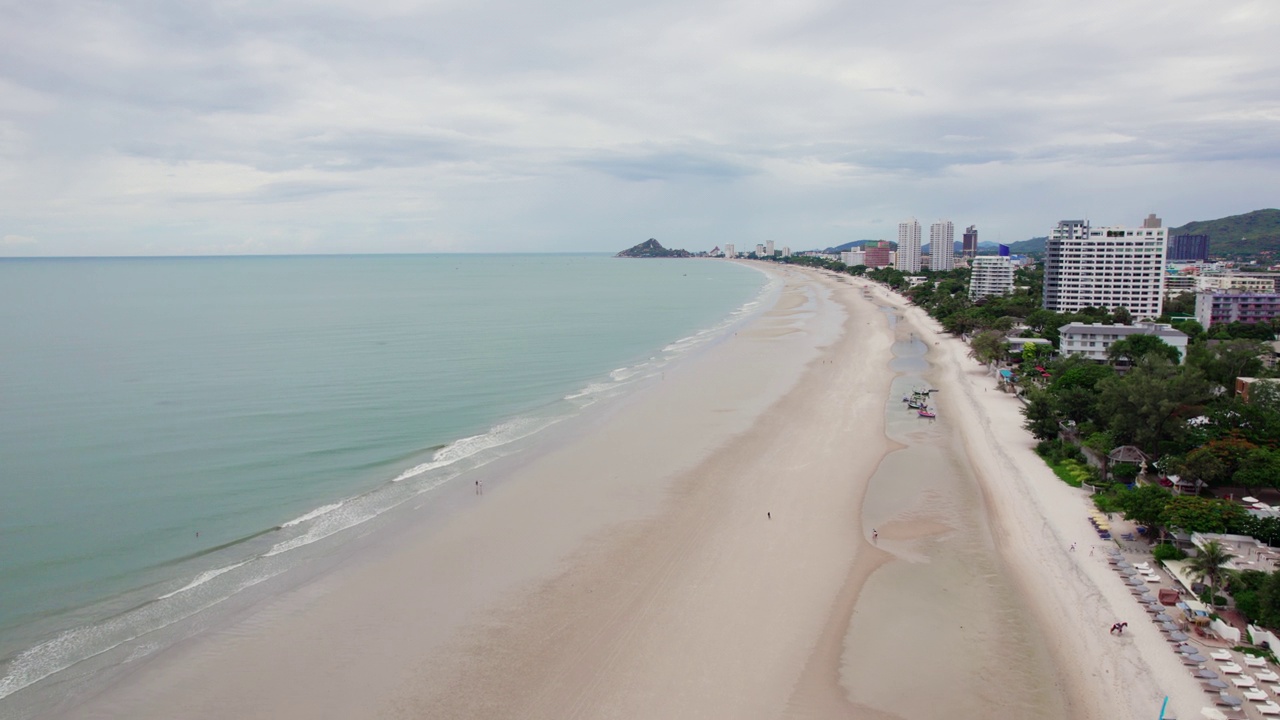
(177, 431)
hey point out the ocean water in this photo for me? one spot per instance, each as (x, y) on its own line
(174, 431)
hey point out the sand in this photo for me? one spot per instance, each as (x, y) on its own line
(704, 548)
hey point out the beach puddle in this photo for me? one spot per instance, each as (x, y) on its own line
(939, 628)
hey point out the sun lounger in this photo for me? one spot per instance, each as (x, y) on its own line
(1268, 708)
(1151, 578)
(1221, 655)
(1255, 661)
(1255, 695)
(1142, 566)
(1244, 681)
(1230, 668)
(1267, 676)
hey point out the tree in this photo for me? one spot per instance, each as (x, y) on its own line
(1122, 316)
(1144, 504)
(1042, 419)
(1035, 354)
(1258, 468)
(988, 346)
(1135, 347)
(1208, 565)
(1193, 513)
(1269, 601)
(1225, 360)
(1149, 406)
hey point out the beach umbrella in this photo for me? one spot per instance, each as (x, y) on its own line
(1122, 565)
(1231, 700)
(1170, 627)
(1135, 581)
(1163, 618)
(1178, 636)
(1185, 649)
(1215, 683)
(1197, 657)
(1206, 673)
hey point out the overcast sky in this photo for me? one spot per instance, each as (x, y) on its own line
(157, 127)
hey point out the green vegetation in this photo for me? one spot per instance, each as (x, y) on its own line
(1254, 235)
(652, 249)
(1167, 551)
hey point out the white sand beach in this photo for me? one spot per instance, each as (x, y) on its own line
(704, 548)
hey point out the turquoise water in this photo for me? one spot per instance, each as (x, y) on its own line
(172, 430)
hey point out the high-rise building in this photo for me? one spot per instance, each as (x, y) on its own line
(909, 246)
(1217, 308)
(1106, 267)
(942, 245)
(759, 250)
(970, 247)
(729, 252)
(992, 275)
(1151, 222)
(786, 251)
(768, 248)
(1188, 248)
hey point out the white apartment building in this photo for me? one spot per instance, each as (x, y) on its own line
(853, 257)
(908, 258)
(759, 250)
(991, 275)
(1107, 267)
(1247, 283)
(768, 248)
(786, 251)
(729, 252)
(942, 249)
(1093, 339)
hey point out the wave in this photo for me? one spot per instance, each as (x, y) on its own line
(314, 514)
(202, 578)
(467, 447)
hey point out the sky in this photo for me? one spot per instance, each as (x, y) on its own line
(344, 126)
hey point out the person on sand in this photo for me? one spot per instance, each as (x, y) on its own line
(875, 535)
(769, 515)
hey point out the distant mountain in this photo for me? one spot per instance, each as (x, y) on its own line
(650, 249)
(851, 246)
(1252, 235)
(1026, 247)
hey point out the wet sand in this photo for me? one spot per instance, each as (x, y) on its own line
(702, 548)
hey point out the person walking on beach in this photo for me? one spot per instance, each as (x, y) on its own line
(1073, 547)
(479, 488)
(875, 535)
(769, 515)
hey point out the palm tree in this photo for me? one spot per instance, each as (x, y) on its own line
(1208, 566)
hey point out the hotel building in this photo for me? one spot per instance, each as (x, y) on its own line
(942, 250)
(1106, 267)
(991, 275)
(1093, 339)
(908, 246)
(1215, 308)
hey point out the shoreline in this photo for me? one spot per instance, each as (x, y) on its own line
(705, 549)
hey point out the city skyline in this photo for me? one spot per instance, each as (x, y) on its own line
(168, 128)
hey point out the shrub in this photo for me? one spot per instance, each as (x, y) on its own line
(1168, 551)
(1247, 602)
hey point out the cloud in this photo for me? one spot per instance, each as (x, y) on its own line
(360, 125)
(13, 241)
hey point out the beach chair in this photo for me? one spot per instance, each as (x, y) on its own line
(1255, 695)
(1230, 669)
(1244, 681)
(1267, 676)
(1256, 661)
(1221, 655)
(1268, 708)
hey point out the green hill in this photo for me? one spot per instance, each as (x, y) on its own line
(1254, 235)
(651, 248)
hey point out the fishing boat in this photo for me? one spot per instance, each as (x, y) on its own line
(926, 413)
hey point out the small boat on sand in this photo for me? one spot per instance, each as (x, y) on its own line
(926, 413)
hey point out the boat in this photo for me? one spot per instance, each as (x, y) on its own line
(926, 413)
